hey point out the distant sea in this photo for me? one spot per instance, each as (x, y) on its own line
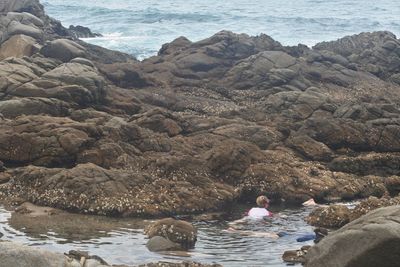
(141, 27)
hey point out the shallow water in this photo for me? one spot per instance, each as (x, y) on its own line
(141, 27)
(121, 241)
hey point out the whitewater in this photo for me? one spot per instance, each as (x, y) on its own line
(141, 27)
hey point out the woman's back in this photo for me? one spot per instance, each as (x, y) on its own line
(258, 213)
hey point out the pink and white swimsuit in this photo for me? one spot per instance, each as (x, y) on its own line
(259, 213)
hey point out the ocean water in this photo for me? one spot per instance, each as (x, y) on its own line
(141, 27)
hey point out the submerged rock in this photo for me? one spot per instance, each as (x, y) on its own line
(372, 240)
(179, 232)
(159, 244)
(334, 216)
(295, 256)
(35, 211)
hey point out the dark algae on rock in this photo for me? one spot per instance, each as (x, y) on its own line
(197, 127)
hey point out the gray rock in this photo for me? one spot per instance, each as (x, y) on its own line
(178, 231)
(63, 49)
(82, 32)
(295, 256)
(18, 46)
(370, 241)
(159, 243)
(30, 6)
(356, 43)
(83, 61)
(33, 106)
(25, 18)
(16, 255)
(15, 28)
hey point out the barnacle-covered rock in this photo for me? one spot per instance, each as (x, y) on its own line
(177, 231)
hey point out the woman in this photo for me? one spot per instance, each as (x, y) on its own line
(257, 213)
(261, 211)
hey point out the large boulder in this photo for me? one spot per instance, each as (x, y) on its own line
(18, 46)
(63, 49)
(334, 216)
(21, 24)
(372, 240)
(75, 82)
(12, 254)
(15, 28)
(177, 231)
(30, 6)
(16, 255)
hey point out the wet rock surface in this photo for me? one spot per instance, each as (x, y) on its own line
(336, 216)
(171, 234)
(197, 127)
(13, 254)
(295, 256)
(79, 31)
(372, 240)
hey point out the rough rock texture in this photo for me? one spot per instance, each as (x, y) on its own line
(63, 49)
(372, 240)
(198, 126)
(82, 32)
(295, 256)
(336, 216)
(160, 244)
(176, 231)
(31, 6)
(18, 46)
(16, 255)
(372, 203)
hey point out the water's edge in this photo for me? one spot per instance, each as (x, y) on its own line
(141, 29)
(122, 241)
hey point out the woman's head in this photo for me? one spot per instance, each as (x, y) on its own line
(262, 201)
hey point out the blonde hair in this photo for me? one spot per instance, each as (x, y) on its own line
(261, 201)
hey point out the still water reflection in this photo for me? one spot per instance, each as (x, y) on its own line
(121, 241)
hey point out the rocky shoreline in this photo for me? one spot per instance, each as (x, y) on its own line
(198, 127)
